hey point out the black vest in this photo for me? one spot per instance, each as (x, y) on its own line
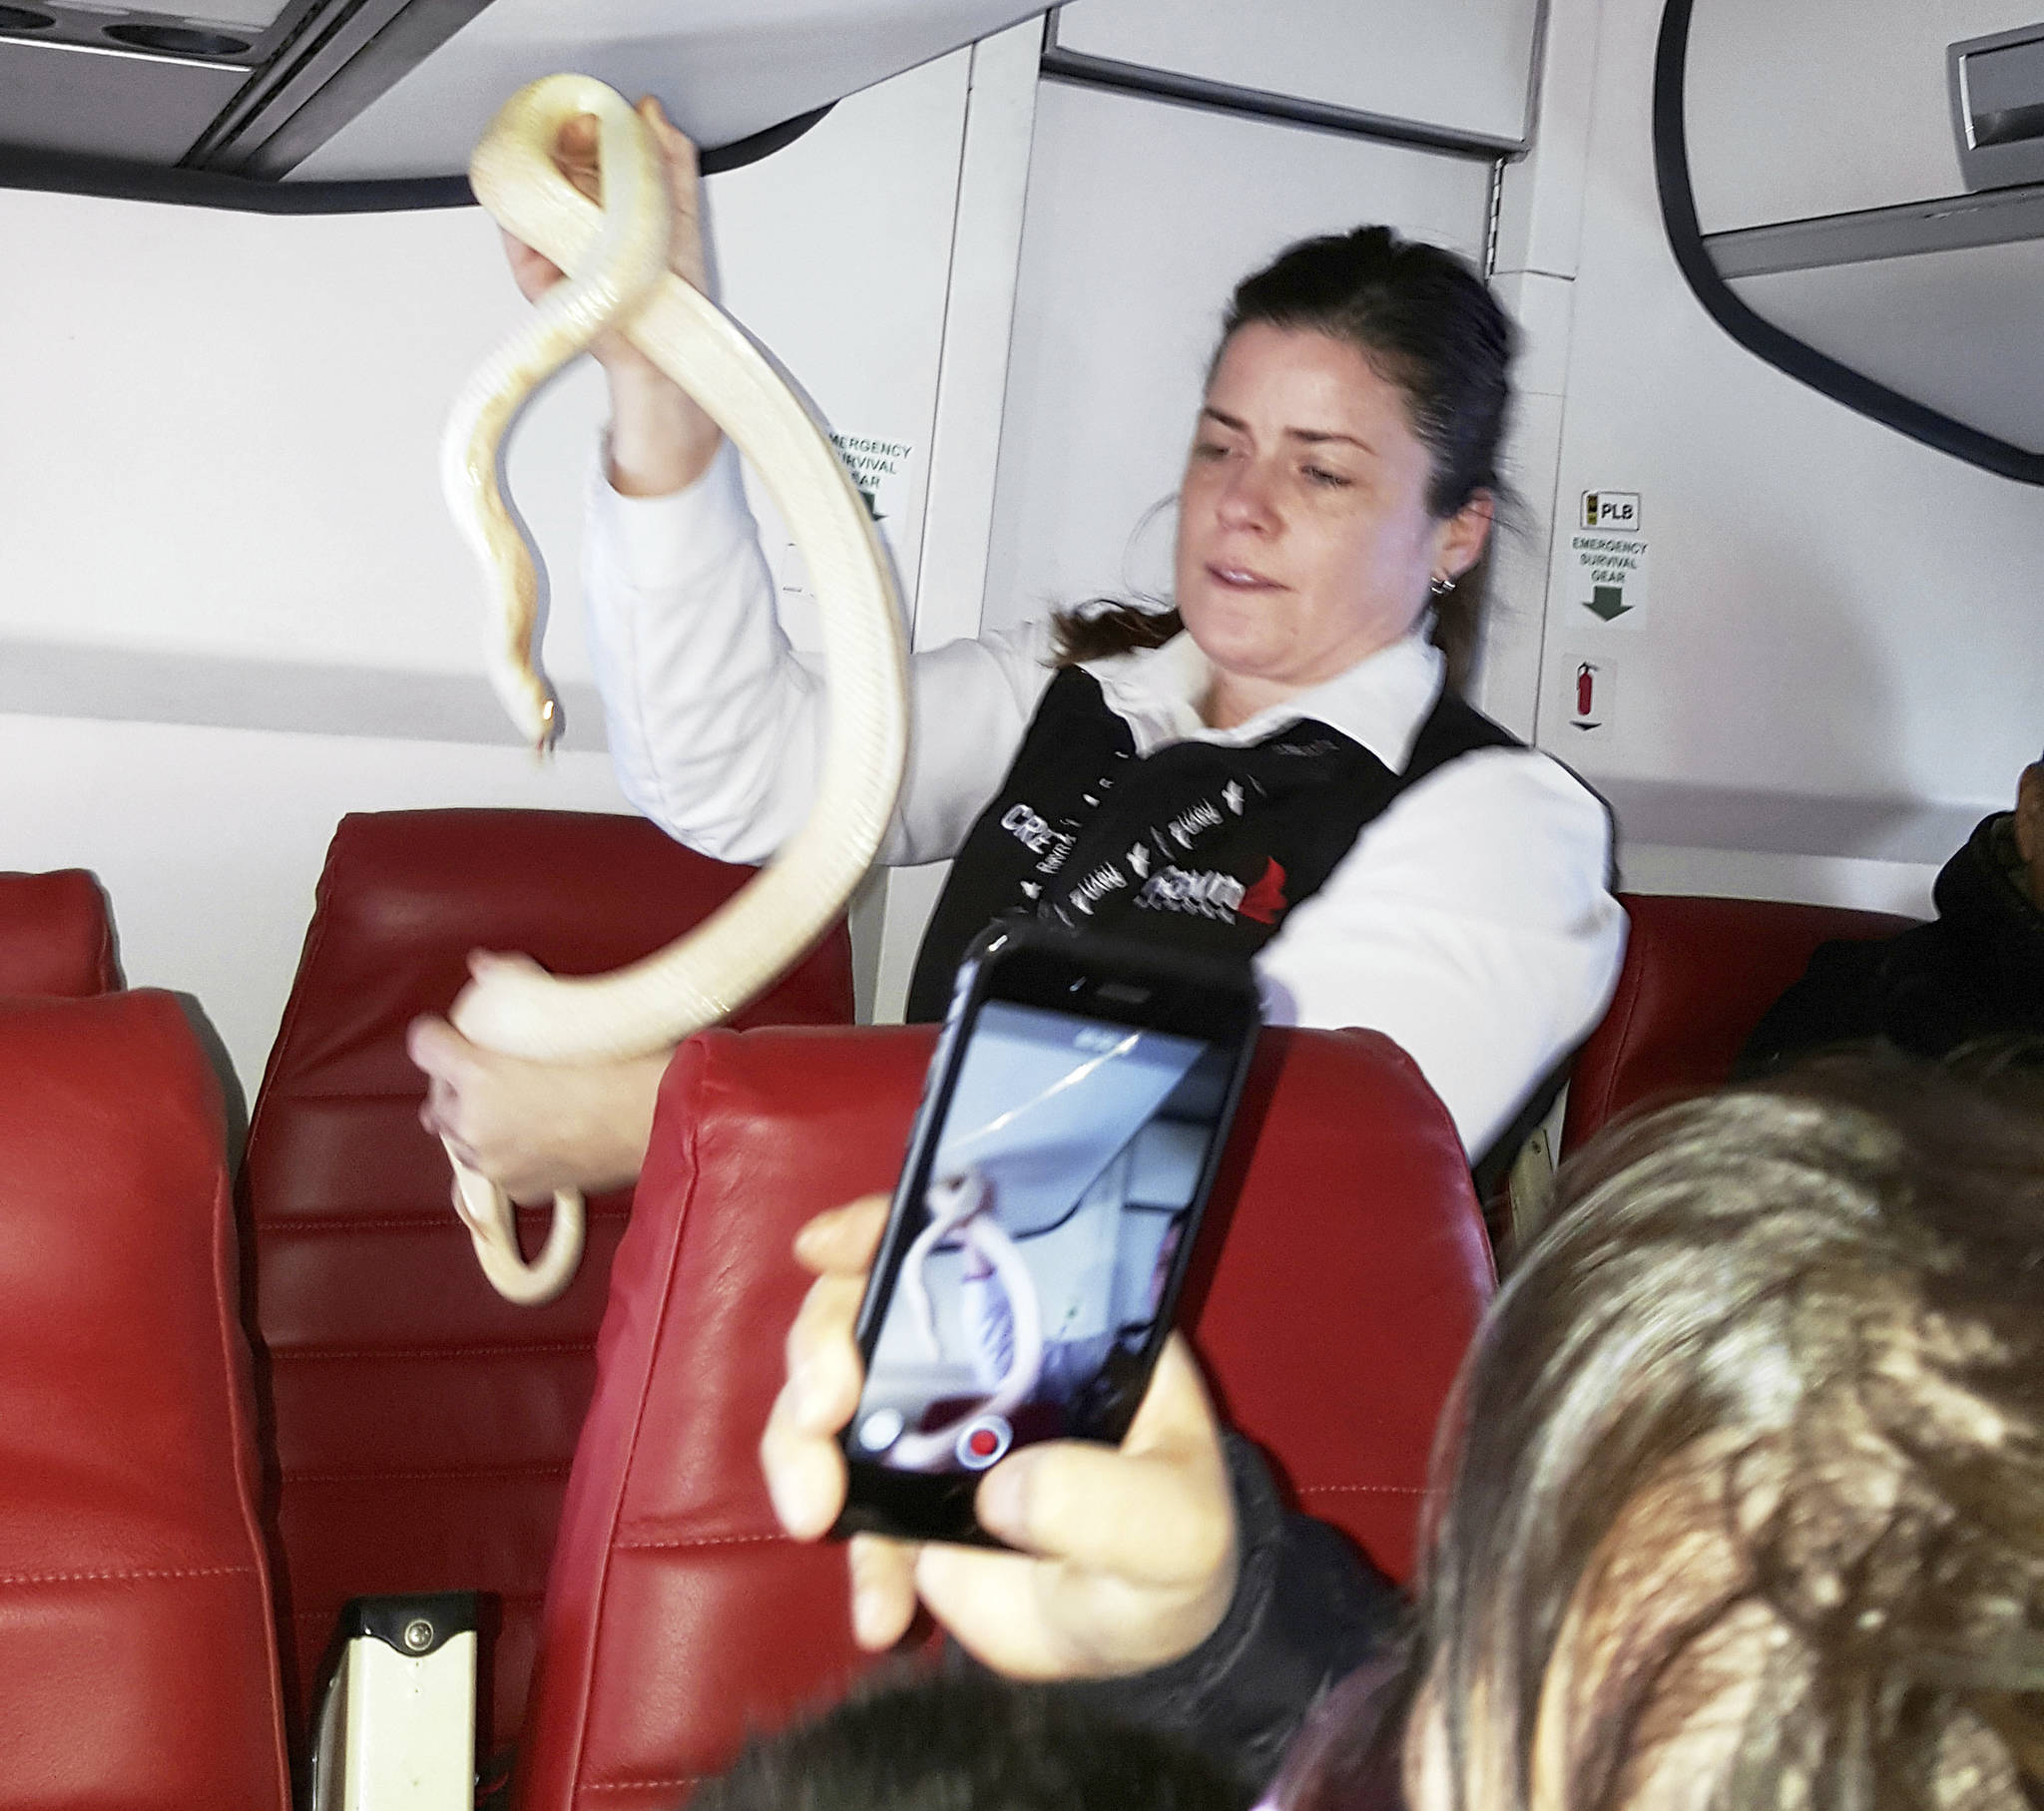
(1197, 846)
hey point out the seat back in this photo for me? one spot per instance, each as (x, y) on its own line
(55, 936)
(422, 1426)
(138, 1657)
(1698, 976)
(1343, 1272)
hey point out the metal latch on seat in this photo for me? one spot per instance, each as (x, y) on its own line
(396, 1717)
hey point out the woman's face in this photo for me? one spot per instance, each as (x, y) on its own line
(1304, 544)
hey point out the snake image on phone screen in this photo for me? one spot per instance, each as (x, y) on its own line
(1056, 1197)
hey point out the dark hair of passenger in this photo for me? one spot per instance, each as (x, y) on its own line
(1427, 322)
(968, 1742)
(1744, 1484)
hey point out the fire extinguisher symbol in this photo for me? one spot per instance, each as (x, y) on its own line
(1595, 684)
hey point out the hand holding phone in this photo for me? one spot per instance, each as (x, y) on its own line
(1070, 1130)
(1126, 1556)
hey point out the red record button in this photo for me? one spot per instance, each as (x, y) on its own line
(983, 1442)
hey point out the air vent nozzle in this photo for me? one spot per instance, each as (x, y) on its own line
(1997, 97)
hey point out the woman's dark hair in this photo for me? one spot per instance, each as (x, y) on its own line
(1743, 1482)
(1425, 322)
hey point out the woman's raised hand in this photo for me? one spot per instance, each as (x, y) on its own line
(1126, 1556)
(659, 440)
(533, 1127)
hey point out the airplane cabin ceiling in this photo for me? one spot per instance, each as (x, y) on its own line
(298, 104)
(1855, 190)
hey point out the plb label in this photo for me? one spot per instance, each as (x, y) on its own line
(1612, 510)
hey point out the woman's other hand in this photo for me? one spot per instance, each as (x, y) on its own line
(1127, 1557)
(534, 1127)
(660, 441)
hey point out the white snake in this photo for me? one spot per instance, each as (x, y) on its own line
(958, 1207)
(616, 259)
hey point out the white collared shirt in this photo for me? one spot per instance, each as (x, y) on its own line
(1470, 922)
(1382, 703)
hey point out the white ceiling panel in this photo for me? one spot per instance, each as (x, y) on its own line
(724, 68)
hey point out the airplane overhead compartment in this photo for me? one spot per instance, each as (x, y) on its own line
(305, 106)
(1458, 73)
(725, 68)
(1855, 190)
(1826, 107)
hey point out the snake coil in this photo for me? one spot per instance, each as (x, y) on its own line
(615, 258)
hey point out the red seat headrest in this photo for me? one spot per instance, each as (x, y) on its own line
(1698, 975)
(55, 936)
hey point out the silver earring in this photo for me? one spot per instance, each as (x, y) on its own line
(1440, 586)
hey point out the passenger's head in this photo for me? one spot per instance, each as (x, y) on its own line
(1748, 1469)
(968, 1743)
(2029, 826)
(1344, 466)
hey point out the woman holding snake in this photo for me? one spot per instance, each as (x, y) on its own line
(1281, 769)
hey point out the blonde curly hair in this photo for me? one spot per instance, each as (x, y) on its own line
(1743, 1484)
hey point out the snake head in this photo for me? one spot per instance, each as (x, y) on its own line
(524, 691)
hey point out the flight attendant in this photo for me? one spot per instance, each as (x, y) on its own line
(1281, 768)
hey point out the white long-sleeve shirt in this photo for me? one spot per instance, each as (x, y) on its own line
(1470, 922)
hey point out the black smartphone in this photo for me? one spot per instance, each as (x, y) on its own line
(1069, 1132)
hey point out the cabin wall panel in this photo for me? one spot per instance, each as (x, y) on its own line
(1836, 660)
(219, 474)
(1538, 244)
(1834, 880)
(228, 439)
(965, 443)
(1507, 688)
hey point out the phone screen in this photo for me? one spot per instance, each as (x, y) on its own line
(1029, 1277)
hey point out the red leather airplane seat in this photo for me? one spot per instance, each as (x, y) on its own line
(1698, 976)
(138, 1657)
(422, 1425)
(1344, 1273)
(55, 936)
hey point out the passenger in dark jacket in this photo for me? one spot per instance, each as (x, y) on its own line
(1975, 972)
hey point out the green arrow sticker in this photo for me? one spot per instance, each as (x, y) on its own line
(1607, 577)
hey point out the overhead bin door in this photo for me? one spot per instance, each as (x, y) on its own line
(1462, 65)
(1826, 107)
(1142, 216)
(1855, 191)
